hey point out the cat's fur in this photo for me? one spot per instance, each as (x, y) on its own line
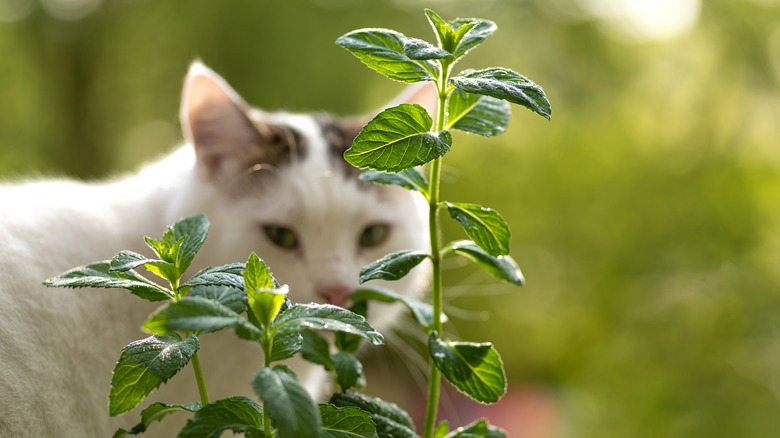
(245, 169)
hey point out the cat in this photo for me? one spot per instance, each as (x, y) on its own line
(272, 183)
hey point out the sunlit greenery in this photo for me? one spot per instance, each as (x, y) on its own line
(645, 215)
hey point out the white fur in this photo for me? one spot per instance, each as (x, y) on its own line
(58, 347)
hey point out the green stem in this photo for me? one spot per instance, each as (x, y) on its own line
(267, 345)
(204, 394)
(434, 375)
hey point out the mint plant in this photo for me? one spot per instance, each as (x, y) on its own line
(398, 140)
(246, 298)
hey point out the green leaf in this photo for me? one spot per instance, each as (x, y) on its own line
(349, 370)
(418, 49)
(461, 34)
(442, 29)
(144, 365)
(478, 114)
(382, 50)
(475, 369)
(316, 350)
(288, 404)
(346, 342)
(441, 429)
(469, 33)
(285, 346)
(156, 412)
(198, 314)
(484, 225)
(99, 275)
(346, 423)
(227, 275)
(410, 179)
(421, 311)
(391, 421)
(264, 300)
(393, 266)
(230, 297)
(167, 247)
(238, 414)
(502, 267)
(477, 429)
(398, 138)
(324, 317)
(127, 260)
(193, 230)
(505, 84)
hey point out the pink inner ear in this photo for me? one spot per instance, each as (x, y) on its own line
(215, 120)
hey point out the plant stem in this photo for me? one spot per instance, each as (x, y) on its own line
(267, 345)
(434, 375)
(204, 394)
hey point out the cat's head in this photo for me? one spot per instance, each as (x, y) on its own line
(277, 184)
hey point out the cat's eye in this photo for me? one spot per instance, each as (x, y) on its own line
(282, 237)
(374, 235)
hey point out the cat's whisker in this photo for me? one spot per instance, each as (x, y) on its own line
(414, 362)
(465, 314)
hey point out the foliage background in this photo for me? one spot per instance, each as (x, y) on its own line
(645, 214)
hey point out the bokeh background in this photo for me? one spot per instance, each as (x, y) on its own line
(645, 215)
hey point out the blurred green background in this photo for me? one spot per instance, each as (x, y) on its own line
(645, 215)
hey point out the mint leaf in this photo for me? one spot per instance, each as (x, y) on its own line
(469, 33)
(477, 429)
(346, 423)
(230, 297)
(441, 429)
(144, 365)
(443, 30)
(461, 34)
(346, 342)
(505, 84)
(502, 267)
(264, 300)
(475, 369)
(192, 231)
(285, 346)
(418, 49)
(324, 317)
(156, 412)
(421, 311)
(382, 50)
(410, 179)
(484, 225)
(393, 266)
(198, 314)
(316, 350)
(289, 405)
(398, 138)
(99, 275)
(127, 260)
(237, 414)
(349, 370)
(478, 114)
(391, 421)
(227, 275)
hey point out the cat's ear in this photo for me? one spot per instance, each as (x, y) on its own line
(423, 94)
(217, 122)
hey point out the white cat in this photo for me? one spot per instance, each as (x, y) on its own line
(273, 183)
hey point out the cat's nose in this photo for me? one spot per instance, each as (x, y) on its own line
(336, 295)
